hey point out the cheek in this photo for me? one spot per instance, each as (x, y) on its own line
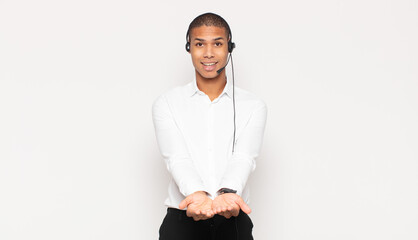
(223, 53)
(196, 62)
(196, 55)
(195, 59)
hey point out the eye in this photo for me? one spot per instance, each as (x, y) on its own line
(199, 44)
(218, 44)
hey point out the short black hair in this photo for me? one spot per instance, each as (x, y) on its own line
(209, 19)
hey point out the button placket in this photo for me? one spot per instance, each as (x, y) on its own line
(210, 136)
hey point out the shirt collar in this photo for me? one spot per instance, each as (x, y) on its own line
(227, 89)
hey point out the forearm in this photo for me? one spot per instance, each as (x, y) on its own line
(248, 146)
(174, 149)
(186, 176)
(237, 174)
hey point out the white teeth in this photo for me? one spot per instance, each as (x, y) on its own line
(208, 64)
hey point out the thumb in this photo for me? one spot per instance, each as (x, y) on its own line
(244, 207)
(184, 203)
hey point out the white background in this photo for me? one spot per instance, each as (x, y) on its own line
(78, 155)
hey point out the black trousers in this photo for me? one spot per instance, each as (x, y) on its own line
(178, 226)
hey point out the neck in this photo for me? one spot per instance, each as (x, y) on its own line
(212, 87)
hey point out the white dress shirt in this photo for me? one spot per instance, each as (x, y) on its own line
(195, 137)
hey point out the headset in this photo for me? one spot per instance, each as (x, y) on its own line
(231, 46)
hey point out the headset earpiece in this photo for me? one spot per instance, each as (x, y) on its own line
(231, 46)
(188, 46)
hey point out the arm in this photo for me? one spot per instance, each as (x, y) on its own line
(242, 163)
(173, 149)
(247, 148)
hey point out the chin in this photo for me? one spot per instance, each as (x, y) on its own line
(209, 75)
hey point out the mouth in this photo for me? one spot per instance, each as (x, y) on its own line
(209, 66)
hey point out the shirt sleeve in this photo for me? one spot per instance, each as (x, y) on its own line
(173, 149)
(247, 149)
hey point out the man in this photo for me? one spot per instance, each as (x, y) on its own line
(208, 150)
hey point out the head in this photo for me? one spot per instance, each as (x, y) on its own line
(209, 40)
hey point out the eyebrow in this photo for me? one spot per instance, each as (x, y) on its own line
(203, 40)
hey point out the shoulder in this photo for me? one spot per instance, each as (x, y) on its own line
(249, 99)
(172, 95)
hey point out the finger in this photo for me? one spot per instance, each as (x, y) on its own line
(204, 213)
(209, 213)
(195, 216)
(235, 211)
(189, 213)
(220, 210)
(184, 203)
(244, 207)
(214, 211)
(197, 212)
(202, 216)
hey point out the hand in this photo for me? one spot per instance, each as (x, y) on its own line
(199, 206)
(229, 204)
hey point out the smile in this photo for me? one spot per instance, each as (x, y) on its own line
(209, 64)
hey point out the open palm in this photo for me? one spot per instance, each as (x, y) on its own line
(229, 204)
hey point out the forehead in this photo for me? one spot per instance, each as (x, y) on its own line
(208, 32)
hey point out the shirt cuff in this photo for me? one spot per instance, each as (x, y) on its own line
(192, 188)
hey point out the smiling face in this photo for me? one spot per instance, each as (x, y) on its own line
(209, 51)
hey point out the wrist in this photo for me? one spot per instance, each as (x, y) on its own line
(225, 190)
(202, 193)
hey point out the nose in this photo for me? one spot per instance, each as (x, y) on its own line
(208, 51)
